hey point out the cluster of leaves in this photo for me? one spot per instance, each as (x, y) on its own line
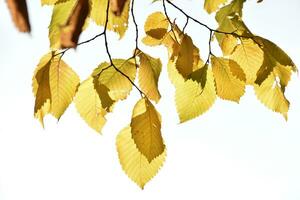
(247, 59)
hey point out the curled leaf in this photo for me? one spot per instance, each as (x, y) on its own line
(19, 14)
(73, 28)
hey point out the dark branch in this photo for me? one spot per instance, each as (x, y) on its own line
(109, 55)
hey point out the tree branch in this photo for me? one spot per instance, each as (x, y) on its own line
(109, 55)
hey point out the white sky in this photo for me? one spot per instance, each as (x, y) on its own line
(232, 152)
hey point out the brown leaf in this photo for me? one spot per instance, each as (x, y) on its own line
(116, 6)
(71, 31)
(19, 14)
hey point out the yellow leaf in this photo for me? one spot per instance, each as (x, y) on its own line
(41, 88)
(117, 84)
(71, 31)
(273, 56)
(48, 2)
(250, 58)
(19, 14)
(184, 62)
(63, 84)
(135, 164)
(117, 24)
(213, 5)
(149, 72)
(60, 15)
(228, 86)
(156, 27)
(227, 19)
(89, 105)
(145, 128)
(191, 98)
(228, 44)
(54, 85)
(271, 95)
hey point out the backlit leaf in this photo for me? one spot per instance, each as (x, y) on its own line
(191, 98)
(272, 96)
(184, 62)
(229, 87)
(117, 24)
(89, 105)
(250, 58)
(117, 84)
(273, 56)
(146, 129)
(63, 84)
(41, 88)
(156, 27)
(212, 5)
(149, 72)
(133, 162)
(54, 85)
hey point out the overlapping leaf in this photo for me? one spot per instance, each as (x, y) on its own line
(212, 5)
(133, 162)
(54, 86)
(229, 86)
(193, 100)
(146, 129)
(270, 93)
(149, 72)
(74, 26)
(273, 56)
(117, 84)
(250, 58)
(117, 24)
(156, 27)
(60, 15)
(89, 105)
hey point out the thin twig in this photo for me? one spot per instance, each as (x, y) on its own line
(109, 55)
(81, 43)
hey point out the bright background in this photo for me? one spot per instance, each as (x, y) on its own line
(234, 152)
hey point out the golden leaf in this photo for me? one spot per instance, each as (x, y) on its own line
(135, 164)
(156, 27)
(213, 5)
(273, 56)
(149, 72)
(195, 95)
(117, 24)
(228, 86)
(184, 62)
(250, 58)
(117, 84)
(89, 105)
(145, 128)
(41, 88)
(54, 85)
(271, 95)
(63, 84)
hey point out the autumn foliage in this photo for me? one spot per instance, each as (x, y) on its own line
(247, 60)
